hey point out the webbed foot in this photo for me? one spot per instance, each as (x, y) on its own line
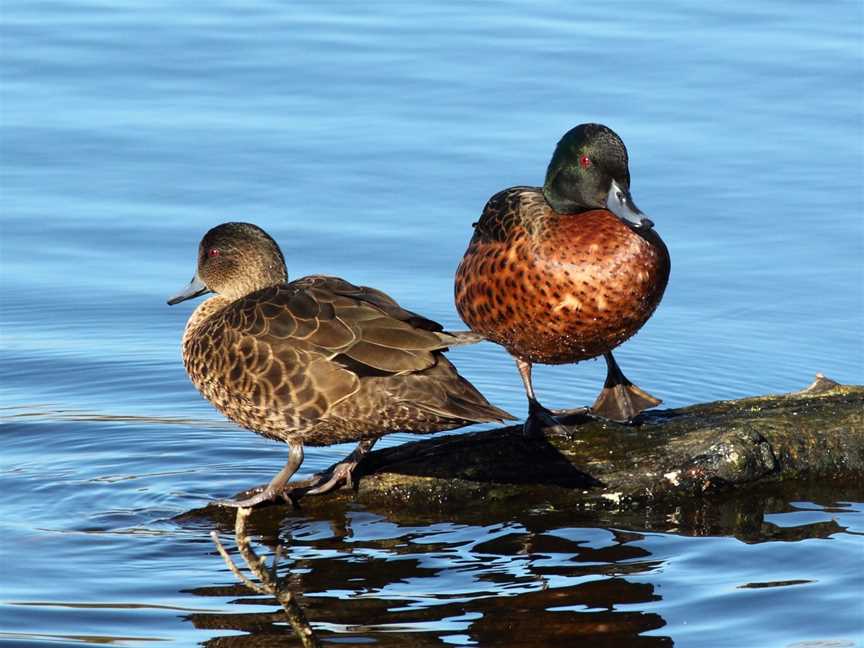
(623, 403)
(620, 400)
(541, 421)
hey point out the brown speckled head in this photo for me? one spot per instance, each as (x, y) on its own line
(235, 259)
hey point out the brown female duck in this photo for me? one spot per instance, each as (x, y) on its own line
(317, 360)
(568, 271)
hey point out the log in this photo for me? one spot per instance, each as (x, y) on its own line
(671, 455)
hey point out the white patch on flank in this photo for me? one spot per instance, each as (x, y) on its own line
(569, 301)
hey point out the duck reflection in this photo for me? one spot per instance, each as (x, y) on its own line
(373, 578)
(537, 576)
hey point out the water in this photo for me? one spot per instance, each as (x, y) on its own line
(366, 140)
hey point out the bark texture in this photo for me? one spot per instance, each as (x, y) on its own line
(692, 452)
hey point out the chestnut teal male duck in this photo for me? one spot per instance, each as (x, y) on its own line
(568, 271)
(316, 361)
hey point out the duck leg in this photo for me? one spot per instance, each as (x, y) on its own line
(620, 400)
(343, 470)
(274, 489)
(539, 418)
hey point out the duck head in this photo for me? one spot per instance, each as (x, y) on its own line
(589, 171)
(235, 259)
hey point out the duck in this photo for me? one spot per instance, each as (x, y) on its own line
(568, 271)
(315, 361)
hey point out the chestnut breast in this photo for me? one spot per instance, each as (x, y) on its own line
(556, 288)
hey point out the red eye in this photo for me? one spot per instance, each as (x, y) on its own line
(213, 252)
(584, 161)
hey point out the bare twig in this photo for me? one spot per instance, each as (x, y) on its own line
(267, 577)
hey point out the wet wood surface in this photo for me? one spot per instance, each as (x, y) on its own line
(691, 452)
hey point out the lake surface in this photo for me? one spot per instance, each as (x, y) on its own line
(366, 139)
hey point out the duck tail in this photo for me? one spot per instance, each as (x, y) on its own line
(459, 338)
(478, 410)
(465, 401)
(453, 397)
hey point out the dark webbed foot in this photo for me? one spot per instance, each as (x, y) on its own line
(620, 400)
(541, 421)
(623, 403)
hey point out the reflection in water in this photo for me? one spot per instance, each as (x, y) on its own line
(495, 584)
(268, 581)
(394, 579)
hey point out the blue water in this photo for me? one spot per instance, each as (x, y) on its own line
(366, 139)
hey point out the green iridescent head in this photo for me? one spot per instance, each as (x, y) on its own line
(589, 171)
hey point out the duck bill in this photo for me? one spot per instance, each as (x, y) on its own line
(620, 202)
(196, 288)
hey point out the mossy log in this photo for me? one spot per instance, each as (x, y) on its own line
(668, 455)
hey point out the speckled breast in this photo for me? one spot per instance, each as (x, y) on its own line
(557, 288)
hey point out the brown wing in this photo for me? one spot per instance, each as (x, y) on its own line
(388, 338)
(264, 361)
(302, 347)
(507, 209)
(322, 354)
(370, 296)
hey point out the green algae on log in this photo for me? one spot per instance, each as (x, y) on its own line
(700, 450)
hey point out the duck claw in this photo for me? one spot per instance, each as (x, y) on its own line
(343, 471)
(331, 481)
